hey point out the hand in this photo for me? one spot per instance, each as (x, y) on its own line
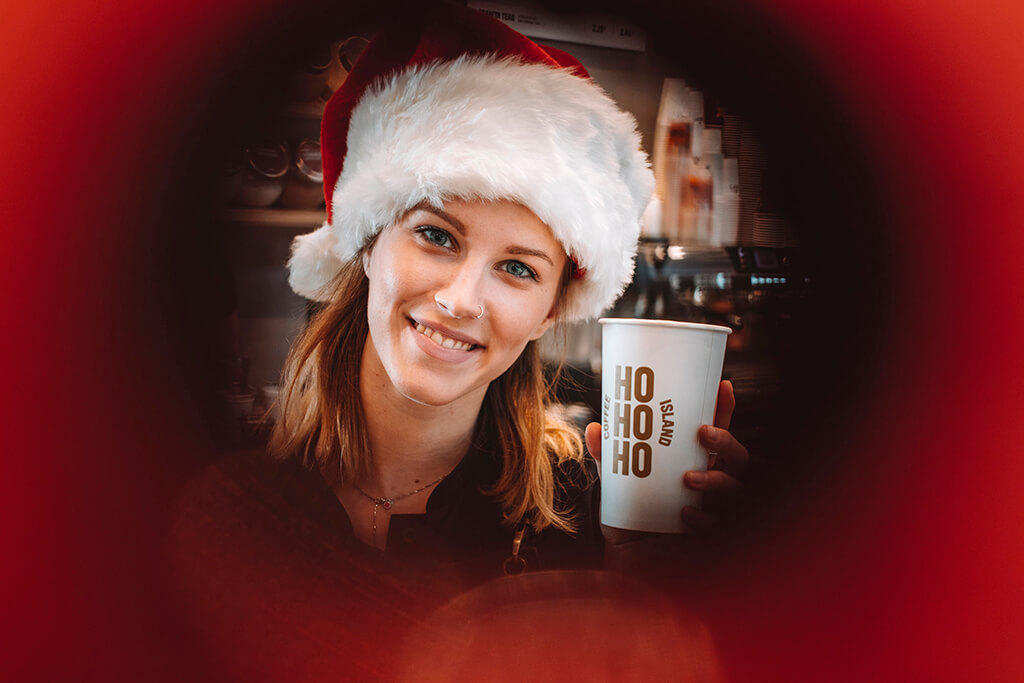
(728, 458)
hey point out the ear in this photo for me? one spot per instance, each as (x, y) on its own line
(539, 331)
(366, 252)
(365, 257)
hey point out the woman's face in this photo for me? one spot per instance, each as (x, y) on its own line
(456, 294)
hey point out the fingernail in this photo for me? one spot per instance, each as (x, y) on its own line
(697, 478)
(710, 434)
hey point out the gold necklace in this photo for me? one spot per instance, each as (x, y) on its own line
(387, 503)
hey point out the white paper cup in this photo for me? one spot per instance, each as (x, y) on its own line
(659, 383)
(270, 401)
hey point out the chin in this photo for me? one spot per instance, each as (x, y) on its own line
(426, 398)
(434, 393)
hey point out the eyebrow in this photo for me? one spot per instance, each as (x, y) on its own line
(441, 213)
(524, 251)
(457, 224)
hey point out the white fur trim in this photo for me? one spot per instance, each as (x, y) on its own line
(491, 128)
(314, 263)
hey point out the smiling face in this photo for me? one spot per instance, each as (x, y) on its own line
(455, 295)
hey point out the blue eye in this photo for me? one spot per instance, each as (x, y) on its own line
(435, 236)
(520, 270)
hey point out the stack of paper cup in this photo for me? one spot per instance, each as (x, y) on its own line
(270, 401)
(725, 222)
(659, 385)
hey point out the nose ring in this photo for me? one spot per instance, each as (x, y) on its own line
(447, 308)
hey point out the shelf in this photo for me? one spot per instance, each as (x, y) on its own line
(276, 218)
(306, 110)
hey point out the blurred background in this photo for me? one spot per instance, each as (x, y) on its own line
(839, 184)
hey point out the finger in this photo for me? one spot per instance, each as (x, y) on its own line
(724, 404)
(711, 481)
(727, 454)
(698, 520)
(593, 439)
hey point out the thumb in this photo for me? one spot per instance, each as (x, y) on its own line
(593, 438)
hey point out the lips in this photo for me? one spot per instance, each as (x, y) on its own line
(445, 338)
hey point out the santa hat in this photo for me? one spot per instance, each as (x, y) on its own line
(455, 104)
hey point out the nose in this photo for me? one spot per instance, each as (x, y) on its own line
(461, 296)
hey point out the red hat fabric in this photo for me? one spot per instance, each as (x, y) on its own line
(458, 105)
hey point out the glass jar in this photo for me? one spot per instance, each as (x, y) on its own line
(345, 53)
(308, 84)
(263, 178)
(305, 185)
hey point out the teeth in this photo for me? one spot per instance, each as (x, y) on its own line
(441, 340)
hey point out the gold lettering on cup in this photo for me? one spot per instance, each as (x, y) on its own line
(631, 421)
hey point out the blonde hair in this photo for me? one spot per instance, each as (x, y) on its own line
(322, 419)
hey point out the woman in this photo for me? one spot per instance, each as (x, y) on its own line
(480, 189)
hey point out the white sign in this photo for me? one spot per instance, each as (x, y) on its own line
(586, 29)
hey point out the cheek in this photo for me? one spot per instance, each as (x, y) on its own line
(390, 285)
(523, 317)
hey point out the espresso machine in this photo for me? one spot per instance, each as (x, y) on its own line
(759, 292)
